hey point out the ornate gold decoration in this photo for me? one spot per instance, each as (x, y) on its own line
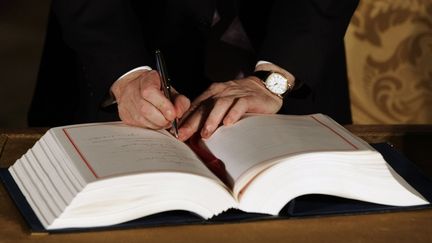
(389, 55)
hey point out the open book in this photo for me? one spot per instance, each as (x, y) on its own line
(100, 174)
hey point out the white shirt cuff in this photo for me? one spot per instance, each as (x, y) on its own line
(262, 62)
(147, 68)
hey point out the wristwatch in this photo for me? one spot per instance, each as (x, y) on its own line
(274, 82)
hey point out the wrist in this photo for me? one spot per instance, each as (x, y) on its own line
(118, 86)
(274, 78)
(264, 89)
(268, 66)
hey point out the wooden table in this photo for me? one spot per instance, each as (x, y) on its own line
(410, 226)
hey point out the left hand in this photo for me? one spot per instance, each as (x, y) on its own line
(227, 102)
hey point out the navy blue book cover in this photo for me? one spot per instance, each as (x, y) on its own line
(309, 205)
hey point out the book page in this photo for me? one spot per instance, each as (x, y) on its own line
(115, 149)
(260, 138)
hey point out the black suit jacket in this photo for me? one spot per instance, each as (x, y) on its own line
(90, 43)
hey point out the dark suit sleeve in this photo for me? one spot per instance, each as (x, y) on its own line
(105, 36)
(302, 36)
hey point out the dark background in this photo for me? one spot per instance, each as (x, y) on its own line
(390, 32)
(22, 30)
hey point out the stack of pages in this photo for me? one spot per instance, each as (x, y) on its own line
(99, 174)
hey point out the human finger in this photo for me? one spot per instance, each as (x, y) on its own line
(192, 123)
(237, 110)
(213, 89)
(150, 90)
(157, 99)
(143, 114)
(215, 116)
(181, 103)
(204, 97)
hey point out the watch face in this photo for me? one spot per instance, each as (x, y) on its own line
(277, 83)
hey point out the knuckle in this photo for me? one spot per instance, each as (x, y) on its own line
(216, 86)
(140, 121)
(165, 125)
(231, 83)
(234, 113)
(211, 122)
(145, 111)
(243, 101)
(128, 120)
(164, 105)
(223, 101)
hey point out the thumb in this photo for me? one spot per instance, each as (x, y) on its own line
(152, 78)
(181, 102)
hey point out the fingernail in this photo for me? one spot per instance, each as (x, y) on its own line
(169, 114)
(227, 121)
(181, 134)
(205, 132)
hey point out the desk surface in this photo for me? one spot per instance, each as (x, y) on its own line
(409, 226)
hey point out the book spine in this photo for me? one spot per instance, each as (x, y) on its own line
(215, 165)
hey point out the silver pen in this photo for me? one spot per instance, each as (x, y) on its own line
(165, 83)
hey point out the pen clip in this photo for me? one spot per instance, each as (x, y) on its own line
(160, 65)
(165, 84)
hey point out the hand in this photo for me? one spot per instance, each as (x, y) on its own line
(227, 102)
(142, 103)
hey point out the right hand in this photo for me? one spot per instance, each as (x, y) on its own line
(141, 102)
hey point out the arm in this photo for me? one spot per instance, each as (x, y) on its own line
(301, 36)
(107, 37)
(298, 37)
